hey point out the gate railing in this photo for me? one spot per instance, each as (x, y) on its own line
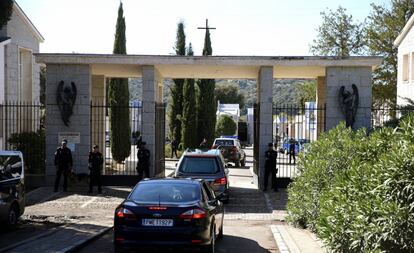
(22, 128)
(101, 135)
(293, 129)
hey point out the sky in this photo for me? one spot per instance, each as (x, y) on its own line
(244, 27)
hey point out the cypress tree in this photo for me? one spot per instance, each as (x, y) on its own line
(189, 117)
(206, 105)
(118, 98)
(6, 9)
(176, 101)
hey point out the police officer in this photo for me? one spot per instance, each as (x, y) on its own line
(270, 166)
(292, 145)
(143, 161)
(174, 148)
(63, 163)
(95, 167)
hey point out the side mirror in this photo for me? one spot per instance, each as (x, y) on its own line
(213, 202)
(176, 164)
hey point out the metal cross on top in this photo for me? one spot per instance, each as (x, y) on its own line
(206, 28)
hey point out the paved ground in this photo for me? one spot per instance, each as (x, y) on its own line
(55, 222)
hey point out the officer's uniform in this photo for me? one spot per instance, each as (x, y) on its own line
(143, 162)
(292, 145)
(270, 167)
(63, 163)
(95, 167)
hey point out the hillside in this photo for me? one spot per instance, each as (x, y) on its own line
(284, 90)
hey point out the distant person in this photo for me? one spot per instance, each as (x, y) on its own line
(203, 144)
(95, 168)
(292, 145)
(63, 163)
(174, 148)
(270, 166)
(143, 161)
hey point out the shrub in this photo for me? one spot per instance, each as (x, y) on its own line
(370, 207)
(328, 156)
(32, 145)
(225, 126)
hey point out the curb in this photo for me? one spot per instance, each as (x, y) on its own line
(83, 243)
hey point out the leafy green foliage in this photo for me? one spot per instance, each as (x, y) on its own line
(363, 201)
(6, 9)
(338, 35)
(32, 145)
(118, 99)
(189, 118)
(384, 25)
(229, 93)
(225, 126)
(306, 93)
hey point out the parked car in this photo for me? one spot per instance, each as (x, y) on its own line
(12, 191)
(208, 165)
(231, 150)
(169, 212)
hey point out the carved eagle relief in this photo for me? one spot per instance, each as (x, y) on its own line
(349, 102)
(66, 98)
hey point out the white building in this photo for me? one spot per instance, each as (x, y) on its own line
(19, 73)
(233, 110)
(405, 44)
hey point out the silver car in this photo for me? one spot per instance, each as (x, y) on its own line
(207, 165)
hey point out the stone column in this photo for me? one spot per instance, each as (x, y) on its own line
(346, 76)
(151, 81)
(98, 113)
(320, 104)
(79, 121)
(265, 101)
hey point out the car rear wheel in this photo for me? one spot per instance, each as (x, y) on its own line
(237, 164)
(220, 234)
(211, 248)
(118, 249)
(13, 216)
(243, 162)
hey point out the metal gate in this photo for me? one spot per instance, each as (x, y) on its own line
(115, 173)
(159, 166)
(294, 127)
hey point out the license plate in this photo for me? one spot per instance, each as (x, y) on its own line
(157, 222)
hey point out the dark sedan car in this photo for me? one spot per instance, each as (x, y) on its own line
(169, 212)
(207, 165)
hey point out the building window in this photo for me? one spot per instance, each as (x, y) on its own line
(24, 88)
(405, 68)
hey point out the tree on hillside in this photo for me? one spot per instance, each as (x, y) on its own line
(384, 26)
(306, 93)
(118, 96)
(229, 93)
(206, 104)
(338, 35)
(176, 101)
(189, 117)
(225, 126)
(6, 9)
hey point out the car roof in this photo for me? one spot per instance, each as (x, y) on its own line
(10, 152)
(226, 139)
(202, 153)
(171, 180)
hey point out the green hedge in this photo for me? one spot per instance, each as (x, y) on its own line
(358, 195)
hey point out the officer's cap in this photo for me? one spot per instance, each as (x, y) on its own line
(270, 144)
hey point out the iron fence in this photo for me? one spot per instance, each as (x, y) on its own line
(22, 128)
(293, 129)
(101, 135)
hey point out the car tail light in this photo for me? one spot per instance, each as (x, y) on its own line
(119, 238)
(221, 181)
(196, 241)
(214, 147)
(157, 208)
(193, 214)
(123, 213)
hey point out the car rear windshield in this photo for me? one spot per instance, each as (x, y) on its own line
(224, 143)
(165, 193)
(199, 165)
(10, 167)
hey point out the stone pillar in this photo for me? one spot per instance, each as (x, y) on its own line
(320, 104)
(346, 76)
(79, 121)
(265, 101)
(151, 81)
(98, 113)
